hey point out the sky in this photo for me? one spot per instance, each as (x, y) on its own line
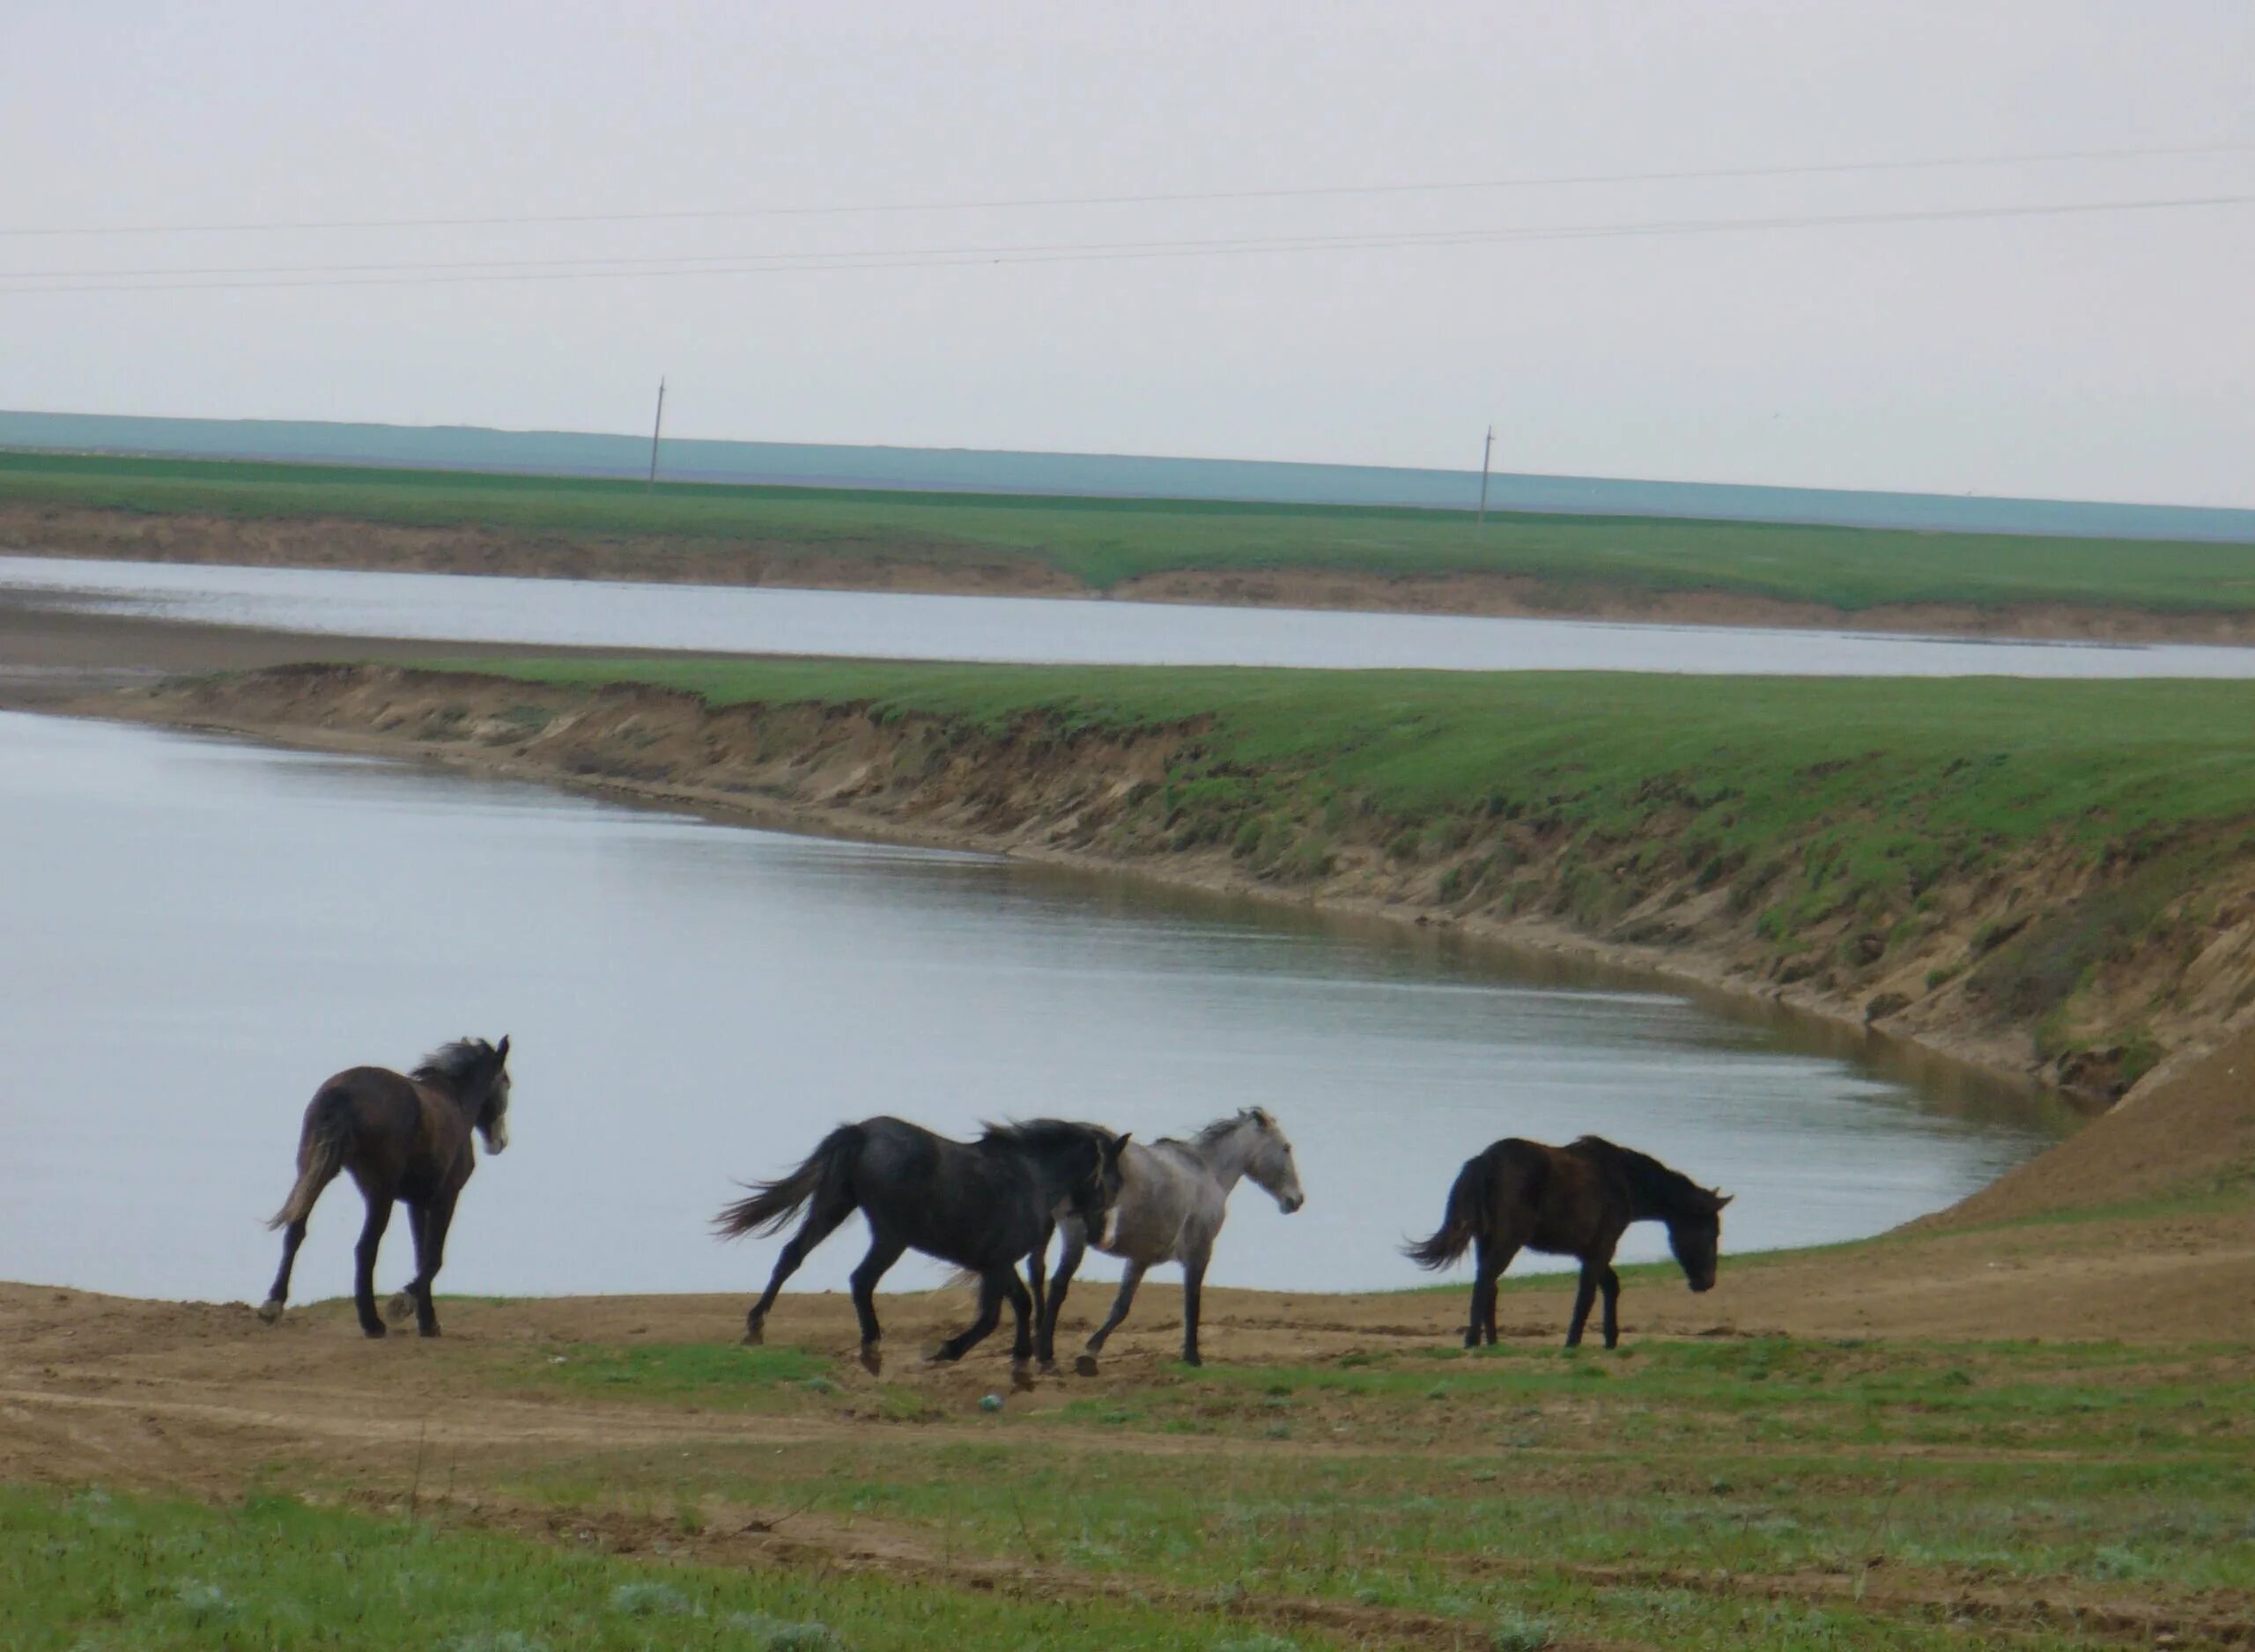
(2090, 355)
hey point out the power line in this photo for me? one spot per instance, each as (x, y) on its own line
(941, 258)
(1003, 203)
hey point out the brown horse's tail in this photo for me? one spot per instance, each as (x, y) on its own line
(1465, 1215)
(320, 1155)
(772, 1204)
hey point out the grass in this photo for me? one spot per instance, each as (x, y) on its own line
(1102, 543)
(1640, 1497)
(94, 1572)
(1909, 772)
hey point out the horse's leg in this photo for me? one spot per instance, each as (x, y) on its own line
(1068, 1261)
(1584, 1296)
(885, 1251)
(431, 1255)
(403, 1301)
(1483, 1279)
(822, 1221)
(1037, 1276)
(1500, 1266)
(292, 1236)
(1129, 1281)
(990, 1315)
(1194, 1286)
(364, 1262)
(1610, 1282)
(1027, 1307)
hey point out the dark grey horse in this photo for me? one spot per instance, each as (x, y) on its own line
(1174, 1198)
(403, 1138)
(1573, 1201)
(982, 1205)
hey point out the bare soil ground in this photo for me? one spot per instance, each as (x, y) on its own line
(909, 565)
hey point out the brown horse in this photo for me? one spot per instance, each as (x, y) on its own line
(1569, 1201)
(403, 1138)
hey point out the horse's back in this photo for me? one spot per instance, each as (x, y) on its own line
(1159, 1191)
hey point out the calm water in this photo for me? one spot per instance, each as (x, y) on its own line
(456, 607)
(199, 932)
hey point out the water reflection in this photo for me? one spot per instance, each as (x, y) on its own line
(460, 607)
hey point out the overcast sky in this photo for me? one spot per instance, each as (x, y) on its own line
(2107, 355)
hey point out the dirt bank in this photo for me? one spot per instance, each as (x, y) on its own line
(910, 564)
(1090, 798)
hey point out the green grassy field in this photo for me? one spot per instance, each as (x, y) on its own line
(1761, 1493)
(1104, 542)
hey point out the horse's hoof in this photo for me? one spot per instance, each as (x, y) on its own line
(1022, 1376)
(940, 1355)
(873, 1359)
(1085, 1364)
(400, 1308)
(754, 1333)
(270, 1311)
(1048, 1368)
(376, 1330)
(427, 1331)
(1192, 1359)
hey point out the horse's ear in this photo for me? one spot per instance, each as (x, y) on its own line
(1119, 1146)
(1722, 1199)
(501, 1049)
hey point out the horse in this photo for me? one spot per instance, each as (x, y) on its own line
(401, 1138)
(1174, 1198)
(980, 1205)
(1570, 1201)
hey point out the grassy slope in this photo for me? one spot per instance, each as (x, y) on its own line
(1102, 542)
(1915, 772)
(2031, 838)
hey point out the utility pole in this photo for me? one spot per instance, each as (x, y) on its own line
(656, 424)
(1486, 453)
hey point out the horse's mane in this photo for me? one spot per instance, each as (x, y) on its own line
(455, 1063)
(1038, 1135)
(1221, 1127)
(1651, 1182)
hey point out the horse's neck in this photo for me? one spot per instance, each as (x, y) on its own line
(1225, 1160)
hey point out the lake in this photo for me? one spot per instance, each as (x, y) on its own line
(200, 931)
(457, 608)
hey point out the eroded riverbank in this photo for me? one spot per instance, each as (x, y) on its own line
(2044, 959)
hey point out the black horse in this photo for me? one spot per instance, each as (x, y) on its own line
(1570, 1201)
(401, 1138)
(981, 1206)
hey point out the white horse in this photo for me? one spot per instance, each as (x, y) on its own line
(1173, 1196)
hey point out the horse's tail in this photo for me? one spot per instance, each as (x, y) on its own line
(772, 1204)
(320, 1155)
(1465, 1215)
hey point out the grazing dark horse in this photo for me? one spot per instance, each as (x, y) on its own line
(401, 1138)
(981, 1206)
(1569, 1201)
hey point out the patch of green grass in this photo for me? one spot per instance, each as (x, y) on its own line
(97, 1573)
(1102, 541)
(1512, 1492)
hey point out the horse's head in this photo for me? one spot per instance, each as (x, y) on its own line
(492, 1118)
(1271, 1164)
(1093, 1196)
(1695, 1236)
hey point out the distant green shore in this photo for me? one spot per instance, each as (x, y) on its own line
(1564, 562)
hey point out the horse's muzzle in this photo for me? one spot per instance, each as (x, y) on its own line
(1290, 1204)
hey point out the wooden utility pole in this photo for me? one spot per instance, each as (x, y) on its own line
(656, 424)
(1486, 453)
